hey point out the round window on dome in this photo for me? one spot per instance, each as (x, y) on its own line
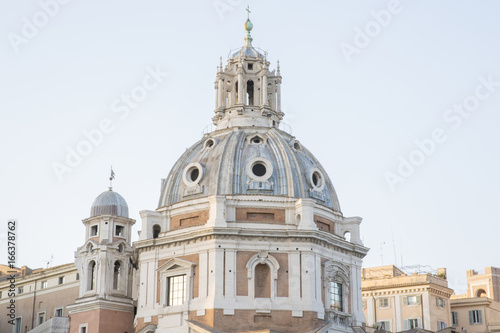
(316, 179)
(193, 173)
(259, 169)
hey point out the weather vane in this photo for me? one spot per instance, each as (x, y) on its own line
(111, 177)
(248, 10)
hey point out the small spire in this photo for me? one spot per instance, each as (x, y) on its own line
(278, 67)
(111, 177)
(220, 65)
(248, 27)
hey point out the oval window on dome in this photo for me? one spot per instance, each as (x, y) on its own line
(193, 173)
(209, 143)
(256, 140)
(316, 179)
(259, 169)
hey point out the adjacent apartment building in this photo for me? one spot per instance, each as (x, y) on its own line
(396, 302)
(478, 310)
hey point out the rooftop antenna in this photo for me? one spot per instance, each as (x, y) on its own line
(401, 250)
(382, 253)
(394, 247)
(111, 177)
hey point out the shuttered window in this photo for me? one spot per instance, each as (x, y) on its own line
(475, 317)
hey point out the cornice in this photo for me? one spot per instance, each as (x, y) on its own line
(324, 239)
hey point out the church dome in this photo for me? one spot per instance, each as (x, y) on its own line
(248, 161)
(248, 154)
(109, 203)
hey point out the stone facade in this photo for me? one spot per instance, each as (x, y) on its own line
(46, 293)
(248, 235)
(478, 310)
(398, 302)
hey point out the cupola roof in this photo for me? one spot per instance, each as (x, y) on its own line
(109, 203)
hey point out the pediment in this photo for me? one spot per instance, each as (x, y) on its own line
(175, 264)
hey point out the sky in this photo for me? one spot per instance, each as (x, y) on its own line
(398, 100)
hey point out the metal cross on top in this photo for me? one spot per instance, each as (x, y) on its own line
(248, 10)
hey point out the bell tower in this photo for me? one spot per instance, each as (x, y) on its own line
(247, 92)
(104, 264)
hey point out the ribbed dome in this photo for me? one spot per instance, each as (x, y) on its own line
(109, 203)
(248, 161)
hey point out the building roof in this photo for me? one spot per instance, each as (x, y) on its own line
(109, 203)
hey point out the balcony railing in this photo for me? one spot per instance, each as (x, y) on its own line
(339, 318)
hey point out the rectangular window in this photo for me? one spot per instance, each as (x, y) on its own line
(61, 280)
(384, 325)
(41, 318)
(336, 296)
(383, 303)
(176, 290)
(83, 329)
(454, 318)
(364, 304)
(0, 294)
(17, 325)
(58, 312)
(411, 300)
(475, 317)
(412, 323)
(440, 302)
(93, 230)
(43, 285)
(441, 325)
(20, 290)
(250, 66)
(119, 231)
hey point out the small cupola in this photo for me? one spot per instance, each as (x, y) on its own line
(109, 203)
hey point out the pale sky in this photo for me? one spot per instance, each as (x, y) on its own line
(366, 86)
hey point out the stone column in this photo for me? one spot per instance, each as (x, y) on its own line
(278, 96)
(241, 94)
(220, 93)
(264, 90)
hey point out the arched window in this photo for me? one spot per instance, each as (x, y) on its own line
(156, 231)
(116, 276)
(481, 293)
(337, 287)
(91, 275)
(262, 275)
(250, 93)
(262, 281)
